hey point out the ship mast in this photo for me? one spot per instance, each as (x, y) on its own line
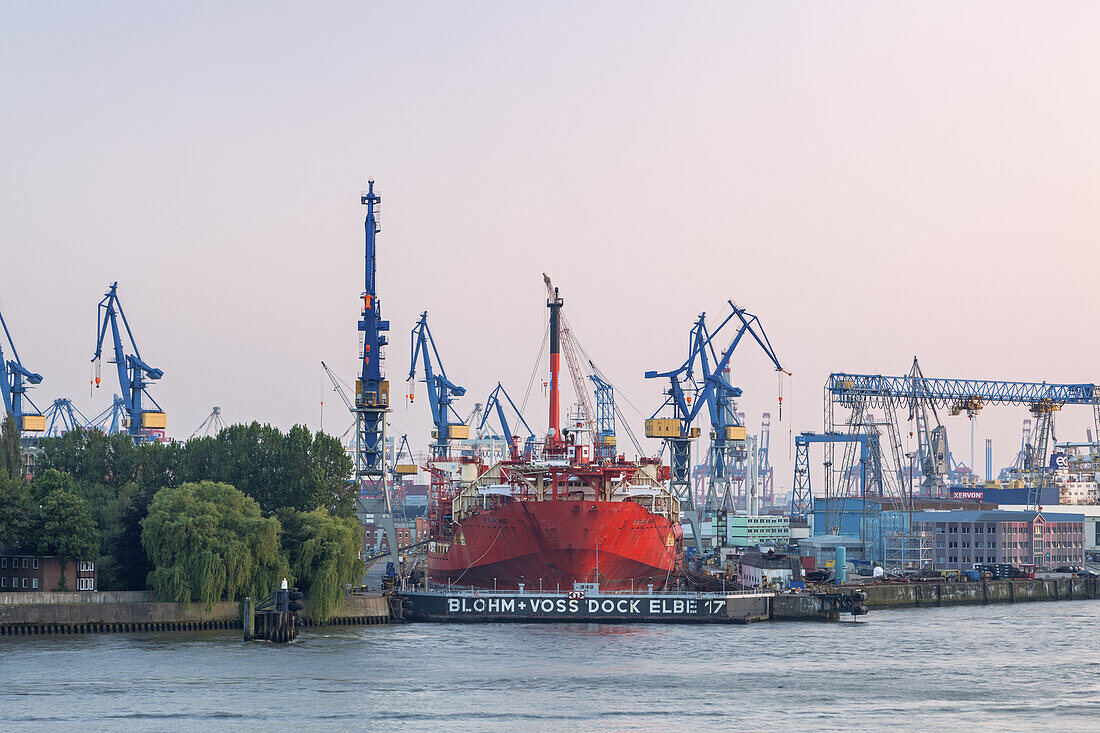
(554, 304)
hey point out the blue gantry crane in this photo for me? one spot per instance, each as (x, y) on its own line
(858, 392)
(441, 390)
(703, 380)
(133, 372)
(17, 404)
(495, 405)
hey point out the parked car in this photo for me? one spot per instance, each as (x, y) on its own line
(1088, 574)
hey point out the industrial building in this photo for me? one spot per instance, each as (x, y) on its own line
(963, 538)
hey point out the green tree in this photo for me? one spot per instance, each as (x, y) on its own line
(130, 565)
(208, 541)
(63, 527)
(11, 449)
(16, 512)
(324, 556)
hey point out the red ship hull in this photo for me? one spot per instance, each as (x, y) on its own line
(559, 543)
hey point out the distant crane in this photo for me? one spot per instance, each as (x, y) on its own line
(133, 371)
(63, 417)
(112, 420)
(212, 425)
(933, 456)
(408, 467)
(766, 472)
(605, 419)
(441, 390)
(495, 405)
(14, 388)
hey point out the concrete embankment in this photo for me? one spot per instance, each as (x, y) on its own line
(80, 613)
(917, 595)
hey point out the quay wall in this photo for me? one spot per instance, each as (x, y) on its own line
(919, 595)
(79, 613)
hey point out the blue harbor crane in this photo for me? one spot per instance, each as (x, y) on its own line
(860, 391)
(605, 417)
(63, 417)
(702, 380)
(441, 390)
(495, 405)
(27, 417)
(133, 371)
(372, 391)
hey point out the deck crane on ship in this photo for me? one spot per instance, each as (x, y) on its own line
(134, 374)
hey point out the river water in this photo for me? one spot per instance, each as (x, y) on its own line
(1025, 667)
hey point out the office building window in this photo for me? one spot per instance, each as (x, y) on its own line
(35, 563)
(25, 563)
(24, 582)
(34, 583)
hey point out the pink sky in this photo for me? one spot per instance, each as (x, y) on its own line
(874, 180)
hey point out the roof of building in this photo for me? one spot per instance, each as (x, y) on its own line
(994, 515)
(831, 540)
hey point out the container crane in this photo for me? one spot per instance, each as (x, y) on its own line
(441, 390)
(133, 371)
(14, 388)
(495, 405)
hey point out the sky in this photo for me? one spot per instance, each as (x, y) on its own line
(873, 180)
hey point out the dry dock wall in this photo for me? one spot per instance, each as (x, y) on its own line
(917, 595)
(79, 613)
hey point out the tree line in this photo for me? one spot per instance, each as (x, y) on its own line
(209, 519)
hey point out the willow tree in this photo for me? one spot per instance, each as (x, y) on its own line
(208, 542)
(324, 555)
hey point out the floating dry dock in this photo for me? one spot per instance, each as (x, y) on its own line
(474, 606)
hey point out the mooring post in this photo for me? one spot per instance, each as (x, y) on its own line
(248, 618)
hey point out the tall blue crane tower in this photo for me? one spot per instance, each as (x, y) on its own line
(14, 388)
(133, 372)
(372, 391)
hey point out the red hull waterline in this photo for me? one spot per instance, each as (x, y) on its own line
(558, 543)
